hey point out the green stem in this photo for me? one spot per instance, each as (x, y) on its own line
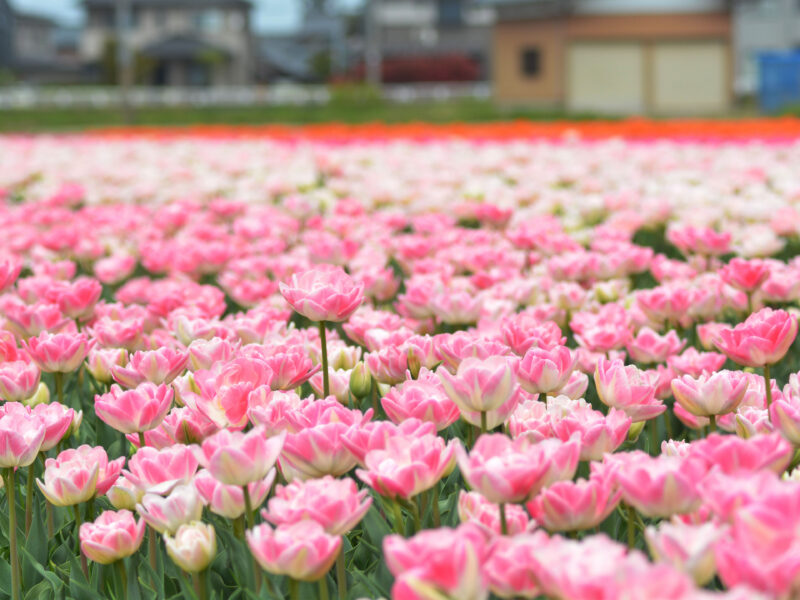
(768, 385)
(294, 589)
(123, 577)
(48, 508)
(29, 499)
(324, 343)
(483, 421)
(238, 527)
(398, 518)
(341, 575)
(200, 588)
(435, 505)
(153, 549)
(12, 528)
(653, 437)
(323, 588)
(749, 303)
(248, 512)
(712, 423)
(90, 509)
(503, 523)
(84, 564)
(59, 379)
(668, 424)
(631, 527)
(142, 443)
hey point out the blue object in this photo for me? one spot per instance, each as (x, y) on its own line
(778, 80)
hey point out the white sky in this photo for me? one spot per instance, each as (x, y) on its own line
(268, 15)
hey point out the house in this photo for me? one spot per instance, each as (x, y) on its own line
(434, 30)
(615, 56)
(30, 49)
(175, 42)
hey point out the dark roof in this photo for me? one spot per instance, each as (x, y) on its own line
(182, 47)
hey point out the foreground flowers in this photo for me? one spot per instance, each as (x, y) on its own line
(441, 370)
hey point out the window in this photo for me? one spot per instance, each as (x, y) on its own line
(531, 62)
(208, 20)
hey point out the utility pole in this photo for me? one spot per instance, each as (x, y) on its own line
(372, 53)
(124, 59)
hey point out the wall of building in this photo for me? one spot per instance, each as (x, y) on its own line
(619, 63)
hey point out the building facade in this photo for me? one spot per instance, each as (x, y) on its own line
(431, 28)
(615, 56)
(175, 42)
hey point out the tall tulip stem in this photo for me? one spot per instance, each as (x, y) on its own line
(248, 513)
(768, 385)
(341, 575)
(503, 522)
(12, 532)
(123, 577)
(294, 589)
(324, 343)
(59, 379)
(29, 499)
(483, 421)
(712, 423)
(200, 588)
(323, 588)
(631, 527)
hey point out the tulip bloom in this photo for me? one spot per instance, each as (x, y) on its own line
(575, 505)
(18, 380)
(59, 353)
(134, 411)
(193, 546)
(336, 504)
(236, 458)
(166, 513)
(448, 562)
(21, 438)
(111, 537)
(228, 500)
(763, 339)
(715, 394)
(480, 385)
(628, 389)
(302, 551)
(688, 548)
(545, 371)
(69, 478)
(325, 293)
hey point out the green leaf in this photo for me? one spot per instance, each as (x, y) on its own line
(40, 591)
(5, 578)
(34, 552)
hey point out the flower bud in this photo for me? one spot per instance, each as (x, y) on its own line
(41, 396)
(360, 381)
(193, 547)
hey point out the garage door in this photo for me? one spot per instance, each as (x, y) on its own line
(606, 77)
(690, 77)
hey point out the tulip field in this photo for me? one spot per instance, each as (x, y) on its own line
(532, 362)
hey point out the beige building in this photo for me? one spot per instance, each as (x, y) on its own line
(175, 42)
(600, 56)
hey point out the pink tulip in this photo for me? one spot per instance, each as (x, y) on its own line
(325, 293)
(480, 385)
(166, 513)
(159, 471)
(375, 435)
(745, 275)
(448, 563)
(691, 362)
(716, 394)
(512, 566)
(124, 494)
(575, 505)
(302, 551)
(59, 353)
(21, 437)
(228, 500)
(58, 421)
(688, 548)
(784, 414)
(70, 478)
(545, 371)
(136, 410)
(661, 486)
(124, 333)
(317, 448)
(762, 339)
(626, 388)
(18, 380)
(454, 348)
(732, 454)
(100, 361)
(388, 365)
(290, 369)
(111, 537)
(474, 508)
(156, 366)
(236, 458)
(507, 471)
(598, 433)
(407, 466)
(31, 320)
(76, 299)
(649, 347)
(522, 333)
(423, 398)
(336, 504)
(10, 268)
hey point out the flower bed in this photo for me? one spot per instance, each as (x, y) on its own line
(506, 360)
